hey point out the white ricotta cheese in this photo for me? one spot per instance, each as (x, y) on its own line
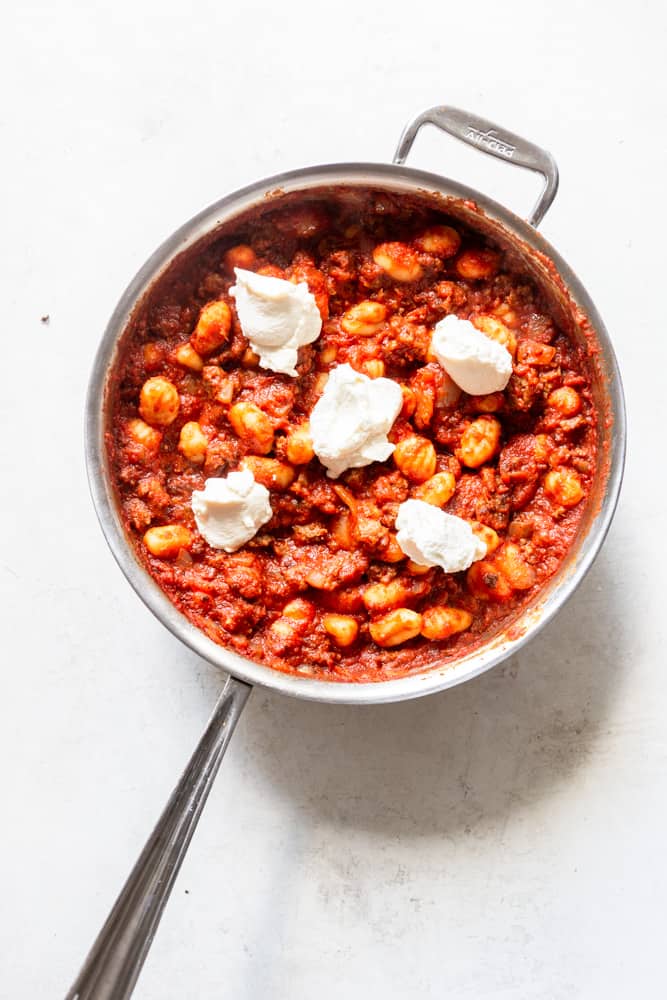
(351, 419)
(431, 537)
(230, 510)
(277, 317)
(476, 363)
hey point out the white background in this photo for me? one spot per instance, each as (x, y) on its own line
(502, 840)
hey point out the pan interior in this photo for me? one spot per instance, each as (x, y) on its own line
(573, 310)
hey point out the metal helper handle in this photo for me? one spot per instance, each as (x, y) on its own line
(115, 960)
(491, 139)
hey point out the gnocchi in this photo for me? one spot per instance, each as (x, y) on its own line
(212, 329)
(192, 442)
(270, 472)
(480, 441)
(440, 623)
(396, 627)
(167, 540)
(365, 319)
(159, 402)
(443, 241)
(477, 264)
(438, 490)
(564, 485)
(343, 629)
(253, 426)
(399, 261)
(415, 457)
(143, 434)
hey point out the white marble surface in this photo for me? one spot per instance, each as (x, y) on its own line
(502, 840)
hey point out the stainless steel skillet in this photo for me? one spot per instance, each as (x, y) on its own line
(112, 967)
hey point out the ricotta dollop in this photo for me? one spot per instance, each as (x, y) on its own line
(430, 537)
(351, 419)
(476, 363)
(277, 317)
(231, 509)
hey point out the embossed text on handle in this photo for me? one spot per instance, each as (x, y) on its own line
(491, 140)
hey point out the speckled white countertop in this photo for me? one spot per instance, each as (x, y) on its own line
(505, 839)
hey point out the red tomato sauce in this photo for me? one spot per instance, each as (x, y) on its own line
(323, 589)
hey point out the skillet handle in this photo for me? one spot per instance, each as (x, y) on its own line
(490, 139)
(115, 960)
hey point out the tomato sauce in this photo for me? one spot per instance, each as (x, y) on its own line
(311, 589)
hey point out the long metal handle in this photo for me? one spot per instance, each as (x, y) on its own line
(491, 139)
(115, 960)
